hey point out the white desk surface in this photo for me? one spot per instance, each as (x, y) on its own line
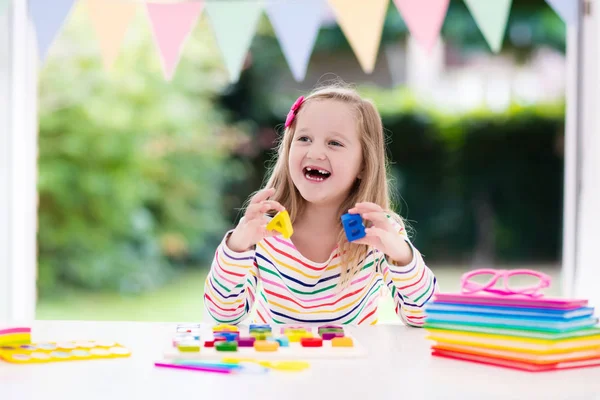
(399, 366)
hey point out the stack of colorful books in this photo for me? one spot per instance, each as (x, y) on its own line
(532, 333)
(15, 336)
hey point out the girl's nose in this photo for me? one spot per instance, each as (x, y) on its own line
(316, 153)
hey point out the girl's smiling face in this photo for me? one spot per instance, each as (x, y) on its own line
(326, 153)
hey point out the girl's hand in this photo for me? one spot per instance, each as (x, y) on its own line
(252, 227)
(382, 236)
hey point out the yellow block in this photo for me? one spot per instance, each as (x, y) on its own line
(266, 345)
(281, 223)
(342, 342)
(225, 328)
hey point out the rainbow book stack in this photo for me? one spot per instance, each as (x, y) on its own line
(14, 336)
(518, 329)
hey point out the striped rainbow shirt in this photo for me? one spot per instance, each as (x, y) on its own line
(288, 288)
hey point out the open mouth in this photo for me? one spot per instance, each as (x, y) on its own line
(316, 174)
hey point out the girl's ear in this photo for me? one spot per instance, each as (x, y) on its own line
(360, 174)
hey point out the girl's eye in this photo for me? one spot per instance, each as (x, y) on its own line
(303, 139)
(335, 143)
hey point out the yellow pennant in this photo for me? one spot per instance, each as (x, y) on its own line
(110, 19)
(362, 24)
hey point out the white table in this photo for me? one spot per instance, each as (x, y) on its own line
(399, 366)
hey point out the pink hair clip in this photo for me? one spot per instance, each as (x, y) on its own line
(293, 111)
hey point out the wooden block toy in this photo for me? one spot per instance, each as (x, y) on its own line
(189, 346)
(260, 335)
(225, 328)
(292, 342)
(281, 223)
(311, 342)
(353, 226)
(228, 336)
(260, 328)
(266, 345)
(331, 335)
(62, 351)
(246, 341)
(226, 346)
(342, 342)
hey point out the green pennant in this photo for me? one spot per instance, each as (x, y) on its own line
(234, 23)
(491, 17)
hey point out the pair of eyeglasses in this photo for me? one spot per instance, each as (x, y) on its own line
(493, 276)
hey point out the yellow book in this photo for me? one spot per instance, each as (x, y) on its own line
(516, 344)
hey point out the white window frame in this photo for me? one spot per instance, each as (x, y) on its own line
(581, 272)
(18, 163)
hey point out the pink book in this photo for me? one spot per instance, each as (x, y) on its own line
(491, 299)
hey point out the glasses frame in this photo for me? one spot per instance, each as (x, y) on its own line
(469, 287)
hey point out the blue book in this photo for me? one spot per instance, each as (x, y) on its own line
(509, 311)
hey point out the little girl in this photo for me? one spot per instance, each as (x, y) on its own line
(331, 161)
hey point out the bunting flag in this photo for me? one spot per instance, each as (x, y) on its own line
(568, 10)
(491, 18)
(362, 24)
(110, 19)
(171, 26)
(3, 6)
(48, 17)
(296, 24)
(234, 23)
(424, 19)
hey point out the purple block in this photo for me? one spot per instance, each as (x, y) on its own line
(331, 335)
(246, 341)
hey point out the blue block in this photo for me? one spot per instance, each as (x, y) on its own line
(353, 226)
(260, 327)
(228, 336)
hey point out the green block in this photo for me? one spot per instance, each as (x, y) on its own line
(226, 346)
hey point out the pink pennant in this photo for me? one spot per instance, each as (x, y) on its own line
(171, 26)
(424, 19)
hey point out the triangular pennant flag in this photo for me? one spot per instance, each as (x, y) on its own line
(110, 19)
(171, 26)
(3, 6)
(234, 24)
(424, 19)
(362, 24)
(296, 24)
(48, 17)
(491, 17)
(568, 10)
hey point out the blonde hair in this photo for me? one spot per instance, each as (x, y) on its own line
(372, 187)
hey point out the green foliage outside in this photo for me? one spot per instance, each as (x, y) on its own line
(131, 166)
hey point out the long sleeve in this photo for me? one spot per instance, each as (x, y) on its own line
(230, 287)
(411, 285)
